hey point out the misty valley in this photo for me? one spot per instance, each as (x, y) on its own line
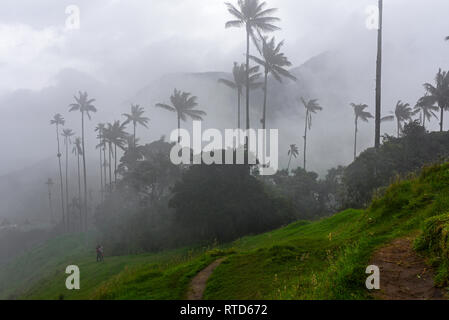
(289, 151)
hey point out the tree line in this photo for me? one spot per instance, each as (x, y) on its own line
(258, 22)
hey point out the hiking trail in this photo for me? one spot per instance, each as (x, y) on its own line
(198, 283)
(404, 275)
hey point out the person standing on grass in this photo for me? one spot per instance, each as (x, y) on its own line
(99, 250)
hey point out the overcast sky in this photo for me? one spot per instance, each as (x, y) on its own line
(129, 40)
(129, 43)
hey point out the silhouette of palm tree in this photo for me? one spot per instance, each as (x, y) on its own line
(253, 15)
(292, 152)
(439, 93)
(67, 134)
(426, 108)
(273, 61)
(403, 112)
(360, 114)
(136, 117)
(58, 120)
(239, 83)
(311, 107)
(183, 103)
(77, 205)
(78, 151)
(115, 135)
(107, 140)
(100, 129)
(50, 185)
(85, 106)
(378, 119)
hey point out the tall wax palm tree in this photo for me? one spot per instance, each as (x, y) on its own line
(439, 93)
(360, 114)
(100, 129)
(85, 106)
(311, 107)
(292, 152)
(78, 151)
(67, 134)
(253, 15)
(119, 138)
(116, 137)
(239, 83)
(379, 77)
(136, 117)
(107, 140)
(183, 104)
(403, 112)
(273, 61)
(50, 185)
(426, 108)
(76, 204)
(58, 121)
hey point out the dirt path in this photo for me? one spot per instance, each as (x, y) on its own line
(198, 284)
(404, 275)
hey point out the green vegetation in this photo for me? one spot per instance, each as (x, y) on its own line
(435, 241)
(320, 260)
(39, 263)
(40, 274)
(327, 259)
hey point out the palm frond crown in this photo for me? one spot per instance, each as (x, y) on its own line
(183, 103)
(83, 104)
(253, 15)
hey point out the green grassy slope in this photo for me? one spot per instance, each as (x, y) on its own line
(327, 259)
(321, 260)
(40, 273)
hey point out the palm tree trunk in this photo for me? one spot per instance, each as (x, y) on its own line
(247, 78)
(110, 166)
(115, 164)
(264, 119)
(179, 128)
(423, 120)
(50, 204)
(379, 77)
(104, 163)
(305, 139)
(134, 141)
(289, 161)
(84, 171)
(247, 94)
(101, 174)
(355, 139)
(67, 180)
(79, 193)
(239, 93)
(399, 128)
(441, 122)
(60, 178)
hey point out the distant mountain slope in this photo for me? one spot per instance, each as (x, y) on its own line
(24, 195)
(330, 77)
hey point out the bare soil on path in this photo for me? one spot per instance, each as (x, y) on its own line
(198, 284)
(404, 275)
